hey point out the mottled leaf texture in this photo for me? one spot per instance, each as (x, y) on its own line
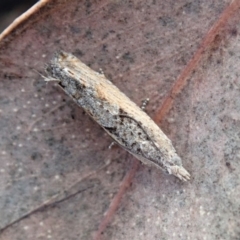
(56, 181)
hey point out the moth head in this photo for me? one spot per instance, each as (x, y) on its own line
(176, 169)
(176, 160)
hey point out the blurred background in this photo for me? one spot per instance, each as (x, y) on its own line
(11, 9)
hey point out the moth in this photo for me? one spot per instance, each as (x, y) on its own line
(121, 118)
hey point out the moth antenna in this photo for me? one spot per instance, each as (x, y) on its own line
(46, 78)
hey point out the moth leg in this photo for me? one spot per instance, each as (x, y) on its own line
(144, 103)
(101, 72)
(111, 145)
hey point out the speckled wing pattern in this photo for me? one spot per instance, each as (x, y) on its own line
(121, 118)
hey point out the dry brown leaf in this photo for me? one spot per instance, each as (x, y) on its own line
(184, 56)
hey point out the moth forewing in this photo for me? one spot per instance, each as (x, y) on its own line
(121, 118)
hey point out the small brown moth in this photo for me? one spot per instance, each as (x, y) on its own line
(121, 118)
